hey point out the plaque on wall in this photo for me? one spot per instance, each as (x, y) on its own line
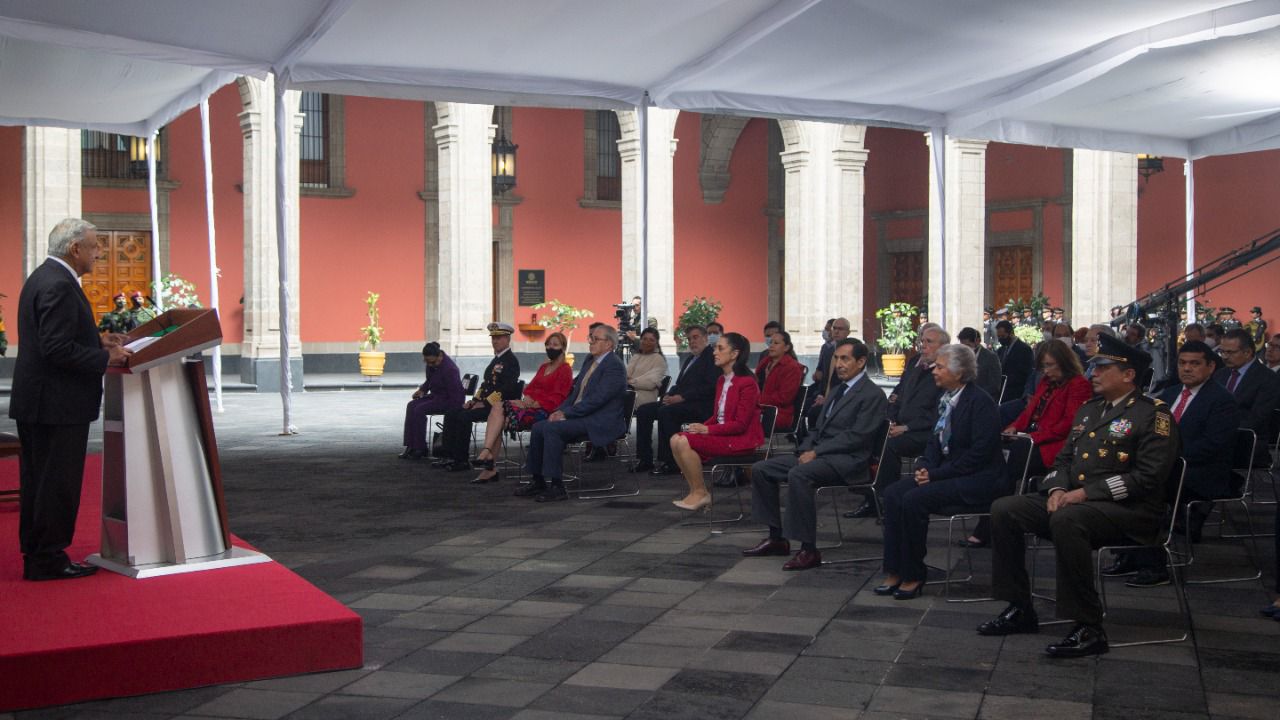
(532, 287)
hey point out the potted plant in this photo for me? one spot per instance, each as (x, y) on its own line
(699, 311)
(174, 292)
(372, 360)
(563, 318)
(897, 335)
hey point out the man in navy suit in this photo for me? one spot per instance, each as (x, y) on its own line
(1255, 389)
(592, 411)
(1207, 419)
(1017, 360)
(688, 400)
(57, 391)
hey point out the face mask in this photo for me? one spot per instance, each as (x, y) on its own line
(826, 336)
(554, 353)
(1005, 340)
(712, 338)
(1211, 342)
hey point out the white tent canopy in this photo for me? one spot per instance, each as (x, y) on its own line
(1188, 78)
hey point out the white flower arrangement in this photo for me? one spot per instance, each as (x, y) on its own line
(174, 292)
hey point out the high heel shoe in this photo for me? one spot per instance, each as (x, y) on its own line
(702, 504)
(884, 590)
(481, 479)
(483, 464)
(900, 594)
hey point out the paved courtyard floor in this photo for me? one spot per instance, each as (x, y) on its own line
(478, 604)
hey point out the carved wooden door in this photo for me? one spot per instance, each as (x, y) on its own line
(1011, 274)
(124, 266)
(906, 273)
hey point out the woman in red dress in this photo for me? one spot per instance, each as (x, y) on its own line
(734, 429)
(544, 393)
(779, 376)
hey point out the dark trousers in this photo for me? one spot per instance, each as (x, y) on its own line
(801, 521)
(457, 430)
(1075, 531)
(669, 418)
(907, 445)
(417, 413)
(907, 507)
(50, 473)
(546, 446)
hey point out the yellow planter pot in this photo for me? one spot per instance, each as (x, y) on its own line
(371, 363)
(894, 365)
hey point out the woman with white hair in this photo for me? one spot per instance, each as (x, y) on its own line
(962, 467)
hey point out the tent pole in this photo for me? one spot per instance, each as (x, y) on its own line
(213, 245)
(939, 148)
(283, 178)
(642, 120)
(1189, 172)
(155, 223)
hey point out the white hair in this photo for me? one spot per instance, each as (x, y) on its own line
(66, 234)
(960, 360)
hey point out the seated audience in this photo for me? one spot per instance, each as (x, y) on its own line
(500, 380)
(1213, 335)
(822, 376)
(770, 328)
(1255, 390)
(989, 376)
(912, 413)
(548, 388)
(778, 375)
(962, 467)
(592, 411)
(1016, 360)
(733, 429)
(1090, 499)
(441, 391)
(647, 367)
(1193, 333)
(839, 450)
(1067, 335)
(1091, 345)
(688, 400)
(1207, 420)
(1272, 356)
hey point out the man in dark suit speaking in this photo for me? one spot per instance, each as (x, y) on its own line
(593, 411)
(57, 392)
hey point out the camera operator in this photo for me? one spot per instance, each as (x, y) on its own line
(628, 316)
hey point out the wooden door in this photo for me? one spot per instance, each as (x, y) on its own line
(1011, 274)
(906, 273)
(124, 266)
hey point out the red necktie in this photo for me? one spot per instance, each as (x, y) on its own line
(1235, 380)
(1181, 407)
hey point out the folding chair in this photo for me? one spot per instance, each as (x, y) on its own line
(1004, 383)
(1173, 495)
(628, 413)
(469, 383)
(1017, 455)
(664, 386)
(1242, 461)
(504, 461)
(881, 439)
(729, 463)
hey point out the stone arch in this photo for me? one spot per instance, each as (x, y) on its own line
(792, 134)
(719, 136)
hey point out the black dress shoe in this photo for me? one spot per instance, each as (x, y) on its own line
(769, 546)
(596, 455)
(554, 493)
(665, 469)
(441, 462)
(1083, 641)
(900, 594)
(640, 467)
(478, 480)
(1271, 611)
(1123, 565)
(804, 560)
(458, 466)
(530, 490)
(66, 572)
(1149, 578)
(409, 454)
(866, 510)
(1013, 620)
(883, 590)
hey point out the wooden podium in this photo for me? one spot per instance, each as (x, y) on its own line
(162, 506)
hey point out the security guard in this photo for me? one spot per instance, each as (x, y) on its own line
(500, 380)
(118, 320)
(1107, 487)
(1257, 327)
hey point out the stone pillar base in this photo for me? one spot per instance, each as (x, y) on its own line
(265, 373)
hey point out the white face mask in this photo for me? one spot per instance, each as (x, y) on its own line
(826, 336)
(712, 338)
(1211, 342)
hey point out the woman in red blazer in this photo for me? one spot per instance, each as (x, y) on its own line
(1059, 394)
(779, 376)
(734, 429)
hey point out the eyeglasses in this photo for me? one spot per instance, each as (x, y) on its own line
(596, 339)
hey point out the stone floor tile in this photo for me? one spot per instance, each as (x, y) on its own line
(590, 700)
(687, 706)
(592, 581)
(479, 642)
(665, 656)
(392, 601)
(678, 636)
(763, 642)
(772, 710)
(424, 620)
(1001, 707)
(535, 670)
(255, 704)
(390, 572)
(643, 599)
(465, 605)
(1226, 704)
(536, 608)
(957, 679)
(797, 689)
(347, 707)
(666, 587)
(741, 686)
(528, 714)
(493, 691)
(761, 663)
(390, 684)
(923, 701)
(440, 662)
(439, 710)
(637, 615)
(325, 682)
(625, 677)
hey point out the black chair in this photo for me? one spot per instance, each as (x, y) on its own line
(1242, 461)
(664, 386)
(578, 449)
(469, 384)
(1004, 383)
(880, 439)
(1173, 496)
(731, 463)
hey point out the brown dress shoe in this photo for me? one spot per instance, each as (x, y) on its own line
(804, 560)
(769, 546)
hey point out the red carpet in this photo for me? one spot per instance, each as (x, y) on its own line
(111, 636)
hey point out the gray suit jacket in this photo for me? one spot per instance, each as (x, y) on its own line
(989, 373)
(844, 437)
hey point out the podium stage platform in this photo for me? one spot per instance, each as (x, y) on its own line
(109, 635)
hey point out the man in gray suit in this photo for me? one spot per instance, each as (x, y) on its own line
(838, 450)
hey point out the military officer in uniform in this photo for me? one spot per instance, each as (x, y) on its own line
(140, 314)
(1227, 318)
(1257, 327)
(501, 380)
(1107, 487)
(118, 320)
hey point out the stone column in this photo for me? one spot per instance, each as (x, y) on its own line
(50, 187)
(660, 298)
(964, 246)
(260, 349)
(824, 186)
(1104, 234)
(464, 137)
